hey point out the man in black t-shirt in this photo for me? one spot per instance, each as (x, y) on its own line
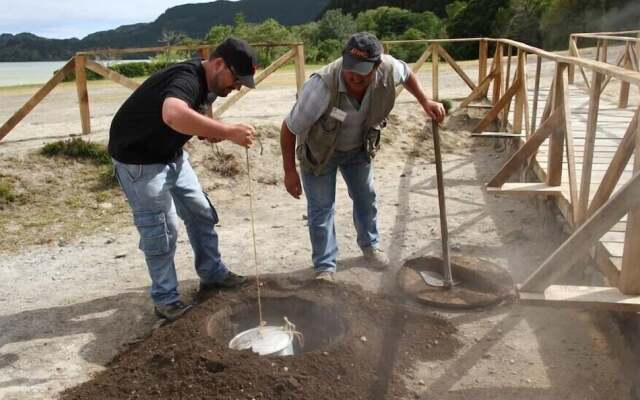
(145, 142)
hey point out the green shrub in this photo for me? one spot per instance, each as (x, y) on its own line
(446, 103)
(78, 149)
(130, 70)
(6, 193)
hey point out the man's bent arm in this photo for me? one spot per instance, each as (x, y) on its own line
(433, 108)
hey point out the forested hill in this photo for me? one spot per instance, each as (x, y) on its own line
(192, 20)
(354, 7)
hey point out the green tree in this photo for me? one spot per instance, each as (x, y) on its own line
(475, 20)
(218, 33)
(336, 25)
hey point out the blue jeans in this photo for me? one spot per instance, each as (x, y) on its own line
(320, 191)
(157, 194)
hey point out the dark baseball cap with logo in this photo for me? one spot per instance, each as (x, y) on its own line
(362, 52)
(240, 58)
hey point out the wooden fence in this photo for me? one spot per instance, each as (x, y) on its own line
(590, 218)
(628, 57)
(86, 60)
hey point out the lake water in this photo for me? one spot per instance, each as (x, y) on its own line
(31, 73)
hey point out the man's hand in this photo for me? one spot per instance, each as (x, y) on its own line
(292, 183)
(435, 110)
(242, 134)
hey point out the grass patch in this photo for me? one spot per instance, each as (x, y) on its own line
(79, 149)
(57, 199)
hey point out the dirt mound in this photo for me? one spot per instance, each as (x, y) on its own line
(377, 340)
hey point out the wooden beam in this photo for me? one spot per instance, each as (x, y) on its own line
(529, 147)
(497, 74)
(83, 93)
(571, 160)
(589, 297)
(536, 93)
(609, 70)
(623, 99)
(526, 188)
(579, 243)
(112, 75)
(589, 145)
(300, 72)
(616, 167)
(557, 138)
(482, 60)
(630, 272)
(497, 135)
(36, 98)
(434, 71)
(573, 53)
(479, 91)
(502, 103)
(447, 57)
(288, 56)
(521, 95)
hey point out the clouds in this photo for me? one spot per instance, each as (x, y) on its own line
(62, 19)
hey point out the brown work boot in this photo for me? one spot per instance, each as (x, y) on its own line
(230, 281)
(173, 311)
(376, 258)
(328, 276)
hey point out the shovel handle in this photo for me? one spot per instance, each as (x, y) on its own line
(444, 232)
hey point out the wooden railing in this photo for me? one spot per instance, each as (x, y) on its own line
(504, 83)
(86, 60)
(628, 57)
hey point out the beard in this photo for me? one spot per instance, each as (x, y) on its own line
(219, 90)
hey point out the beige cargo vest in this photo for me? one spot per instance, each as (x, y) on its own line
(315, 147)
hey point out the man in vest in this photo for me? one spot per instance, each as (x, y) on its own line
(336, 123)
(145, 141)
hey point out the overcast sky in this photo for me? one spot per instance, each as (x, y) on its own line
(62, 19)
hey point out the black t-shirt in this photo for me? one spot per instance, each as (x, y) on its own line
(138, 135)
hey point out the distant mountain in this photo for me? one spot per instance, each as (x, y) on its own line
(194, 20)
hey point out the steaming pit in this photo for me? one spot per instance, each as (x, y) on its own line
(320, 323)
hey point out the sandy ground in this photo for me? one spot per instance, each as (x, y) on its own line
(66, 310)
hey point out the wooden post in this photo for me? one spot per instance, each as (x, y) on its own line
(623, 101)
(435, 58)
(482, 60)
(570, 153)
(505, 112)
(203, 52)
(573, 43)
(300, 72)
(497, 78)
(536, 94)
(518, 110)
(605, 50)
(556, 141)
(629, 282)
(83, 93)
(589, 145)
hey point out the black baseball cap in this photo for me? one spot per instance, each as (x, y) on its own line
(240, 58)
(362, 52)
